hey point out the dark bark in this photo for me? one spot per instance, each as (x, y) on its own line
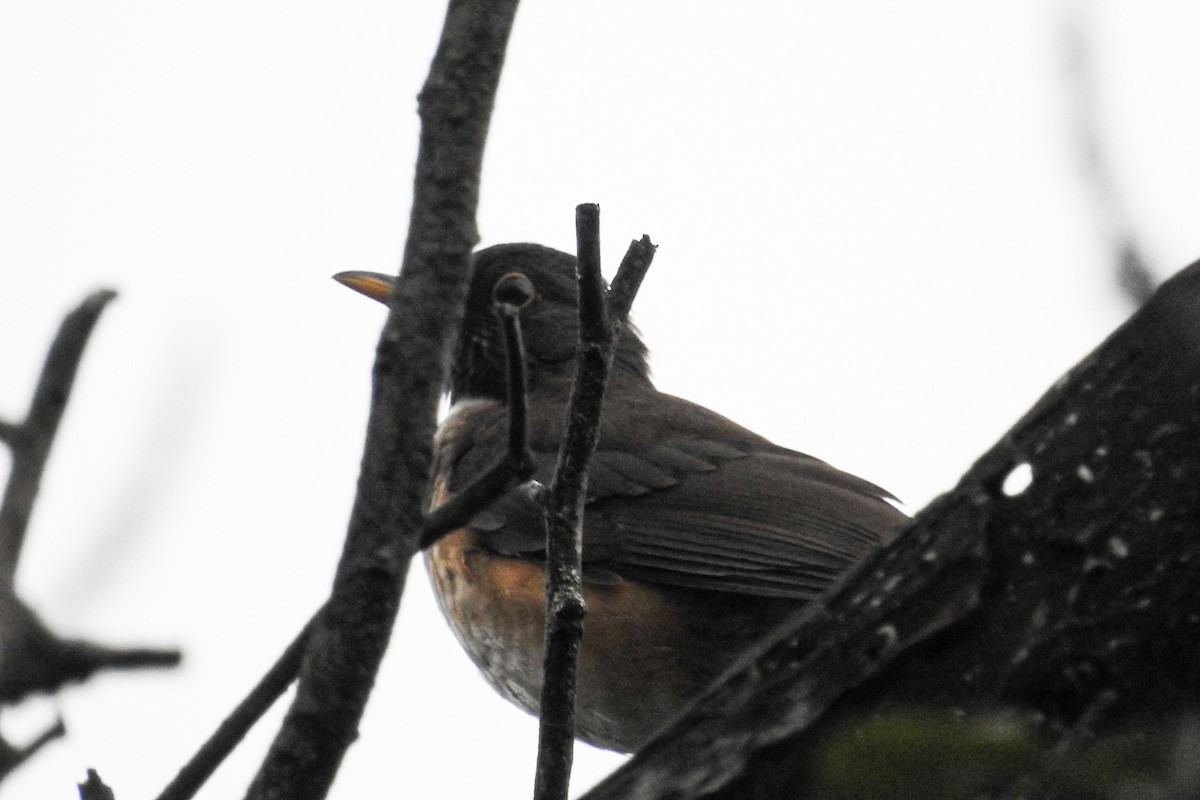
(601, 316)
(31, 440)
(517, 464)
(349, 637)
(1075, 602)
(93, 788)
(32, 658)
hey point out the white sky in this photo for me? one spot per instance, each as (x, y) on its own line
(874, 247)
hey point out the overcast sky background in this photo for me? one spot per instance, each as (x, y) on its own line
(874, 246)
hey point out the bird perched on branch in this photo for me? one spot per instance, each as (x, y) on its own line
(699, 535)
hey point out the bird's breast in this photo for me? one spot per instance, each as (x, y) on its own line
(646, 650)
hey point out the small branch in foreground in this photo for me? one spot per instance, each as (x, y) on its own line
(32, 658)
(628, 280)
(13, 757)
(517, 465)
(350, 637)
(30, 440)
(565, 607)
(94, 789)
(1064, 602)
(235, 727)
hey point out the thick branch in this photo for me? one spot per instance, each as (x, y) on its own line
(1073, 600)
(351, 634)
(516, 466)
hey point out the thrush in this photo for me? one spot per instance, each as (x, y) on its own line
(698, 535)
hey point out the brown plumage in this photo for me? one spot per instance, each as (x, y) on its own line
(698, 534)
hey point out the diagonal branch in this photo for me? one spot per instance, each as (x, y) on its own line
(32, 658)
(351, 634)
(13, 757)
(1134, 277)
(1072, 600)
(565, 607)
(517, 465)
(235, 727)
(94, 789)
(31, 440)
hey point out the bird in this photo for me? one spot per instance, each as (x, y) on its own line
(699, 535)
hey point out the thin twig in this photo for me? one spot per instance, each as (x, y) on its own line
(31, 440)
(516, 466)
(627, 281)
(1134, 277)
(34, 659)
(350, 636)
(517, 386)
(565, 607)
(94, 789)
(235, 727)
(85, 658)
(13, 757)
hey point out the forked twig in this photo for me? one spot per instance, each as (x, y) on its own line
(599, 328)
(32, 657)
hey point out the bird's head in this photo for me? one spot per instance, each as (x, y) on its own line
(549, 322)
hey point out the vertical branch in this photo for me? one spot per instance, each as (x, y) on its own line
(565, 607)
(351, 634)
(517, 464)
(30, 441)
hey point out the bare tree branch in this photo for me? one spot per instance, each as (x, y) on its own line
(32, 658)
(31, 440)
(352, 632)
(94, 789)
(517, 464)
(230, 733)
(628, 280)
(1073, 601)
(565, 607)
(1133, 275)
(13, 757)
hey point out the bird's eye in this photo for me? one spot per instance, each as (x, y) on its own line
(513, 289)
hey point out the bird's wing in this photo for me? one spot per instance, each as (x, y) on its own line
(693, 510)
